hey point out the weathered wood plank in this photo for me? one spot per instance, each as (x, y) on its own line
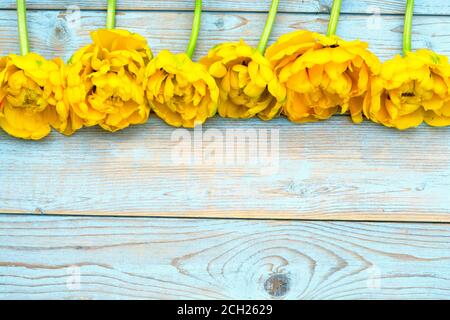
(54, 33)
(333, 170)
(360, 176)
(91, 258)
(428, 7)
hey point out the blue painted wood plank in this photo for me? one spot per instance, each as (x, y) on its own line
(422, 7)
(332, 170)
(58, 33)
(111, 258)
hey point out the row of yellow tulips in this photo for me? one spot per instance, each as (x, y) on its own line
(116, 82)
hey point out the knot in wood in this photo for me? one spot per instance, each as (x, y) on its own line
(277, 285)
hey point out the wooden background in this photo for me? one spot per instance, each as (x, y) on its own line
(335, 174)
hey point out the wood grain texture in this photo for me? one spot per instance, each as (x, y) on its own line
(336, 170)
(427, 7)
(58, 33)
(81, 258)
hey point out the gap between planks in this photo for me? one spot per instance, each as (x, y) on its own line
(255, 215)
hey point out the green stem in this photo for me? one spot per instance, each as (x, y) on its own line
(269, 26)
(407, 33)
(334, 18)
(22, 24)
(195, 29)
(111, 15)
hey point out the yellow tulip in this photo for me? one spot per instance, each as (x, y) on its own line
(105, 81)
(322, 75)
(245, 78)
(181, 92)
(410, 90)
(31, 96)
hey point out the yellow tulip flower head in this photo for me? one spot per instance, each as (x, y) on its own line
(245, 79)
(181, 92)
(105, 81)
(322, 75)
(31, 95)
(410, 90)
